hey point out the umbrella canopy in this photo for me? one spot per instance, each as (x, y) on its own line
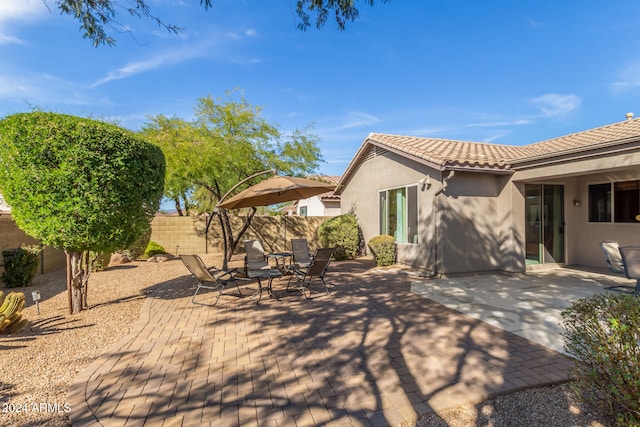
(277, 189)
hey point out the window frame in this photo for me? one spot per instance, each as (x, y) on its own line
(617, 200)
(408, 195)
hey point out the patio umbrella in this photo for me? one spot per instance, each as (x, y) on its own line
(277, 189)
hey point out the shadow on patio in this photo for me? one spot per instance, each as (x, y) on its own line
(371, 353)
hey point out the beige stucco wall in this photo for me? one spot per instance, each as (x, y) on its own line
(464, 228)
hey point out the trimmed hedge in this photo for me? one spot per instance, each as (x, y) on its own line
(383, 248)
(341, 232)
(20, 265)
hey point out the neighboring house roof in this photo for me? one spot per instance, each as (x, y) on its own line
(330, 195)
(443, 154)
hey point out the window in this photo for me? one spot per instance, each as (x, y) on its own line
(623, 197)
(303, 211)
(399, 213)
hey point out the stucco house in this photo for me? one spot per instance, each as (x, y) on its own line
(465, 207)
(326, 204)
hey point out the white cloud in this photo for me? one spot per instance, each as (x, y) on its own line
(502, 123)
(5, 39)
(153, 63)
(44, 90)
(627, 79)
(13, 11)
(22, 10)
(552, 104)
(356, 119)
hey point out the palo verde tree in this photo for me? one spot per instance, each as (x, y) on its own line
(227, 142)
(98, 16)
(80, 185)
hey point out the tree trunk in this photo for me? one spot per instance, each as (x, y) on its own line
(77, 279)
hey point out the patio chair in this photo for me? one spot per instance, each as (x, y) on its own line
(631, 262)
(300, 252)
(209, 278)
(317, 269)
(255, 258)
(612, 255)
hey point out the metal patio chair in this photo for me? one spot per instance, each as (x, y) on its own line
(211, 278)
(631, 262)
(255, 258)
(317, 269)
(300, 253)
(613, 256)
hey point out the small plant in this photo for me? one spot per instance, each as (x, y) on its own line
(342, 233)
(20, 265)
(138, 248)
(603, 335)
(383, 249)
(153, 248)
(99, 260)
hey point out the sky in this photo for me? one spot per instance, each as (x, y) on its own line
(505, 72)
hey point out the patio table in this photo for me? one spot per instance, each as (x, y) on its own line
(281, 259)
(264, 274)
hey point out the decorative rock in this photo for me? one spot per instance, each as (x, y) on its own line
(160, 258)
(117, 259)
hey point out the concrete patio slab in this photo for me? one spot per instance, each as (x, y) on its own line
(527, 305)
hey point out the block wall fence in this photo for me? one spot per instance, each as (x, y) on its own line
(185, 235)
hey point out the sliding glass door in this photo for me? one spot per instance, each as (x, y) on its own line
(544, 223)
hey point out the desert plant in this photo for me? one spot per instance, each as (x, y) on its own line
(342, 233)
(99, 260)
(153, 248)
(383, 248)
(603, 335)
(138, 248)
(20, 265)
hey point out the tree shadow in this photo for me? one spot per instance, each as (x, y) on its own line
(370, 353)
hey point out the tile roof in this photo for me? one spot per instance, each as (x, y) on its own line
(331, 179)
(476, 155)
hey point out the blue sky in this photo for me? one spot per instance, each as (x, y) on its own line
(507, 72)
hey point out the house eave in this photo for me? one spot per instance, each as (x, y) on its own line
(579, 153)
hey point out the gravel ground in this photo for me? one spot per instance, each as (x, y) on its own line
(40, 361)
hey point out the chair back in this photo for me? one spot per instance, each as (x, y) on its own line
(300, 251)
(631, 261)
(613, 256)
(254, 250)
(255, 258)
(197, 267)
(320, 263)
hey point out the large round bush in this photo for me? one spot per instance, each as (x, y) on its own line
(342, 233)
(77, 183)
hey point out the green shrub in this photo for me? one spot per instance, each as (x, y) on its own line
(99, 260)
(342, 233)
(383, 249)
(603, 335)
(153, 248)
(20, 266)
(139, 247)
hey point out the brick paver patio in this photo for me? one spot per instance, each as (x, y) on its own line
(370, 354)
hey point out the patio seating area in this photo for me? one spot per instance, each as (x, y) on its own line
(372, 353)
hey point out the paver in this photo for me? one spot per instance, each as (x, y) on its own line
(371, 353)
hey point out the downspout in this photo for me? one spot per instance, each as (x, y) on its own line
(437, 233)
